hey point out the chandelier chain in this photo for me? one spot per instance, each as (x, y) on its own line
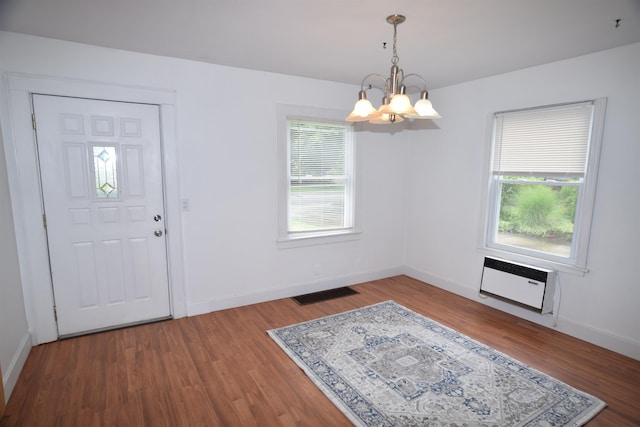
(395, 59)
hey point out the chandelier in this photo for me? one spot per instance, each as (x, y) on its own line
(396, 105)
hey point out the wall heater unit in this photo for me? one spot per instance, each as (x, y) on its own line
(527, 286)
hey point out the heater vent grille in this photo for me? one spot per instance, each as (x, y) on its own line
(524, 285)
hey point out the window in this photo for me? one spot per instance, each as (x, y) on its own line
(542, 181)
(317, 199)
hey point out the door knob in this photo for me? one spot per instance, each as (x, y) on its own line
(158, 233)
(157, 217)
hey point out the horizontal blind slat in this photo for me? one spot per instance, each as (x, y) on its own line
(552, 140)
(318, 173)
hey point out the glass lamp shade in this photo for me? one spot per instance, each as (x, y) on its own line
(400, 104)
(425, 110)
(362, 111)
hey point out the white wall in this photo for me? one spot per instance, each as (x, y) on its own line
(446, 180)
(228, 173)
(14, 335)
(226, 121)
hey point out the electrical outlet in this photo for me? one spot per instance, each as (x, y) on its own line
(185, 205)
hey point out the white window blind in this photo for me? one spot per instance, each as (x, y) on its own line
(320, 176)
(544, 142)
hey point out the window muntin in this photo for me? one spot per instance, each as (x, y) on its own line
(542, 181)
(319, 177)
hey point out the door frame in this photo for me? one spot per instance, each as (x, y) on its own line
(26, 192)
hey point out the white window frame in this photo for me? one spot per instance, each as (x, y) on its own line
(287, 239)
(577, 262)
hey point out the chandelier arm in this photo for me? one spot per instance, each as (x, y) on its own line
(401, 78)
(424, 82)
(384, 80)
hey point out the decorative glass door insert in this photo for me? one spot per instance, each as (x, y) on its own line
(105, 167)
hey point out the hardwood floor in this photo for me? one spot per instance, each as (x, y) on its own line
(222, 369)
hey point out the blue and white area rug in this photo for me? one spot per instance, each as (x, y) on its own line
(385, 365)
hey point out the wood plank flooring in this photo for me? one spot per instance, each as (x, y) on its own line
(222, 369)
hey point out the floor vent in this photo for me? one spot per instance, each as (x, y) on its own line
(324, 295)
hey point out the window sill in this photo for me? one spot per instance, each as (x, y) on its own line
(312, 239)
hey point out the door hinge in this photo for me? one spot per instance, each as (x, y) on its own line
(44, 220)
(33, 121)
(55, 312)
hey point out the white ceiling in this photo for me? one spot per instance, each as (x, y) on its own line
(446, 41)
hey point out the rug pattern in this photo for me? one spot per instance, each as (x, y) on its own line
(385, 365)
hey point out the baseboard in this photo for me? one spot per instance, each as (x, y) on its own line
(15, 367)
(599, 337)
(562, 324)
(3, 401)
(290, 291)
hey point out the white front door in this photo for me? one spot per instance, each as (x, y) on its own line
(101, 172)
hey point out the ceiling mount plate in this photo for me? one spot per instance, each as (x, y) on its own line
(396, 19)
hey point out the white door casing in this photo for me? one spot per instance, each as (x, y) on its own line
(26, 197)
(101, 175)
